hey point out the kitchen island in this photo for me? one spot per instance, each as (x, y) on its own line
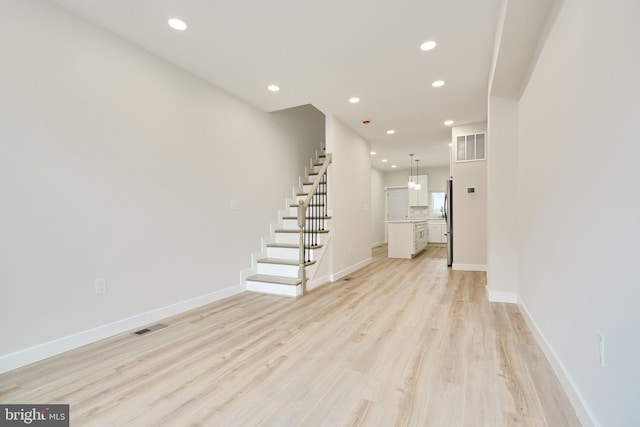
(406, 238)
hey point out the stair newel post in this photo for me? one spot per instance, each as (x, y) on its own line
(301, 223)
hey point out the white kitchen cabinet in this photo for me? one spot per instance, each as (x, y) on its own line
(420, 237)
(437, 231)
(406, 238)
(419, 197)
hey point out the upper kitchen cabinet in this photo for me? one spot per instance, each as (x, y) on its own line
(419, 197)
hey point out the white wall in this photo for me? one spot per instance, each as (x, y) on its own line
(117, 165)
(469, 209)
(349, 198)
(502, 196)
(579, 208)
(377, 207)
(304, 128)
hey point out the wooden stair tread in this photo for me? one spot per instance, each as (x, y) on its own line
(282, 261)
(295, 205)
(298, 231)
(279, 280)
(295, 217)
(306, 194)
(291, 246)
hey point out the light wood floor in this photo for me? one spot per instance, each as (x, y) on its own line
(403, 343)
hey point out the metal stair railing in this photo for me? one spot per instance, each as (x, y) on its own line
(312, 212)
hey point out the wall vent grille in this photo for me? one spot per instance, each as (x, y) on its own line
(470, 148)
(150, 329)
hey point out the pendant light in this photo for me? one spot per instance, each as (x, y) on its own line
(417, 186)
(411, 184)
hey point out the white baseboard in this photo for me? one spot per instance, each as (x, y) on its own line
(469, 267)
(45, 350)
(508, 297)
(376, 244)
(317, 282)
(584, 413)
(339, 275)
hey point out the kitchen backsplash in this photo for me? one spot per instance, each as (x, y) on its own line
(418, 211)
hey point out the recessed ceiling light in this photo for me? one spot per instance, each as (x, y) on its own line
(449, 122)
(428, 45)
(177, 24)
(451, 144)
(373, 153)
(384, 160)
(273, 88)
(393, 166)
(354, 100)
(438, 83)
(391, 132)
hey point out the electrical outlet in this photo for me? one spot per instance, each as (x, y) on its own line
(600, 339)
(101, 286)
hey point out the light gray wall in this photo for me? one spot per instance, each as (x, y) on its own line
(579, 209)
(115, 164)
(349, 198)
(469, 209)
(305, 134)
(502, 199)
(377, 207)
(438, 179)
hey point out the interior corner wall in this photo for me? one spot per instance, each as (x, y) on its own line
(579, 209)
(115, 164)
(469, 209)
(377, 207)
(305, 136)
(502, 196)
(349, 198)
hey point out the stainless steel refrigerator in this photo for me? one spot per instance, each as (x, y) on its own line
(448, 216)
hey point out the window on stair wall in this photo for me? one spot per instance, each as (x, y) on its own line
(437, 203)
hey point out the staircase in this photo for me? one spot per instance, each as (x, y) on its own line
(291, 257)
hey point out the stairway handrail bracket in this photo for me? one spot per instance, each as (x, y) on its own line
(303, 218)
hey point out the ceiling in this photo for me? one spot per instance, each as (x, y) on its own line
(325, 52)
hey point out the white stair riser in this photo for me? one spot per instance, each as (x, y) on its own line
(278, 269)
(299, 197)
(293, 211)
(283, 253)
(307, 187)
(288, 238)
(274, 288)
(292, 224)
(288, 253)
(294, 238)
